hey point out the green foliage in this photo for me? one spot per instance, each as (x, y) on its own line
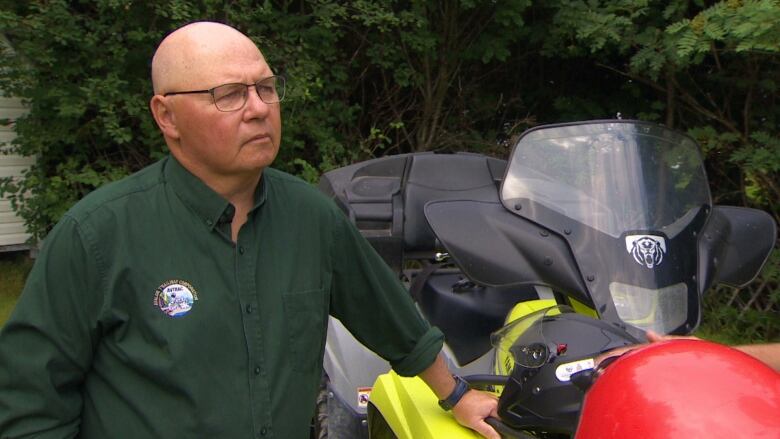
(14, 268)
(737, 25)
(86, 91)
(746, 315)
(368, 78)
(421, 62)
(593, 26)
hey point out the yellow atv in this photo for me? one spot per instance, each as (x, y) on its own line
(589, 235)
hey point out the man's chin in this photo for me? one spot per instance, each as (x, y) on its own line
(259, 160)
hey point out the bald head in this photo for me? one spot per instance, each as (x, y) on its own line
(190, 57)
(227, 150)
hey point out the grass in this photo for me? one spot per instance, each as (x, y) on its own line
(14, 267)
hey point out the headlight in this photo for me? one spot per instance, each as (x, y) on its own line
(661, 310)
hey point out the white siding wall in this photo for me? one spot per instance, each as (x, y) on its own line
(12, 230)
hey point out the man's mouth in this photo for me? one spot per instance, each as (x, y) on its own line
(259, 138)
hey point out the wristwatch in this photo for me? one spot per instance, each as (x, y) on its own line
(461, 387)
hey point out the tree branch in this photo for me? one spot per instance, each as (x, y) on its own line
(686, 98)
(670, 95)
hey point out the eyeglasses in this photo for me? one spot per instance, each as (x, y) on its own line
(233, 96)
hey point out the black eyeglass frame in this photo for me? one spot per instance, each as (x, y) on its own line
(279, 79)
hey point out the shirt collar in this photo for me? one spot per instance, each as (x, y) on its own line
(201, 199)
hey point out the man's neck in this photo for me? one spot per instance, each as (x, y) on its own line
(242, 197)
(240, 192)
(238, 189)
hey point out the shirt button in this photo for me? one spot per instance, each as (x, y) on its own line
(249, 309)
(241, 249)
(257, 372)
(263, 431)
(209, 222)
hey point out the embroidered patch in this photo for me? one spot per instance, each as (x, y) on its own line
(175, 297)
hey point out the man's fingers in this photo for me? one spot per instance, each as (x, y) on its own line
(653, 337)
(486, 430)
(472, 410)
(614, 353)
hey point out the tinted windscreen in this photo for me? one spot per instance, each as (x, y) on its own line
(613, 177)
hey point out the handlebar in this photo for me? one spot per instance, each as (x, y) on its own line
(485, 380)
(506, 431)
(482, 381)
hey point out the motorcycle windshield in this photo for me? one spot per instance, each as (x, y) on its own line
(613, 177)
(629, 198)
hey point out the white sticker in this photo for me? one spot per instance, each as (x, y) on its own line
(362, 396)
(566, 370)
(647, 250)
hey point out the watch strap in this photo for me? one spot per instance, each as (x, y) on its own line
(461, 387)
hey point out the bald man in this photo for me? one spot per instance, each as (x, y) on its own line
(191, 299)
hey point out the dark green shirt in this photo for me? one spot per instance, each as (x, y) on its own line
(142, 319)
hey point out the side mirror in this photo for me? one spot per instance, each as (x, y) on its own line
(734, 245)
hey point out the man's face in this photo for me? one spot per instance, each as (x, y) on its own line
(227, 143)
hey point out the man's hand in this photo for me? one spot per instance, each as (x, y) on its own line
(652, 337)
(472, 410)
(473, 407)
(768, 353)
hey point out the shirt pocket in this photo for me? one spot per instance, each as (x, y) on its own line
(306, 323)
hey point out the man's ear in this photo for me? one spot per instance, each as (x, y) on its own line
(164, 117)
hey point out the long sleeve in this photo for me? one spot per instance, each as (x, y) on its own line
(369, 299)
(47, 344)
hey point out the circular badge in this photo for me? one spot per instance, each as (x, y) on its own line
(175, 297)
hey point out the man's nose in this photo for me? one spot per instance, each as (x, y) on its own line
(255, 107)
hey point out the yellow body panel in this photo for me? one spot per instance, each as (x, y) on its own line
(581, 308)
(412, 410)
(522, 309)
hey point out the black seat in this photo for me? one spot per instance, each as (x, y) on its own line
(385, 197)
(445, 177)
